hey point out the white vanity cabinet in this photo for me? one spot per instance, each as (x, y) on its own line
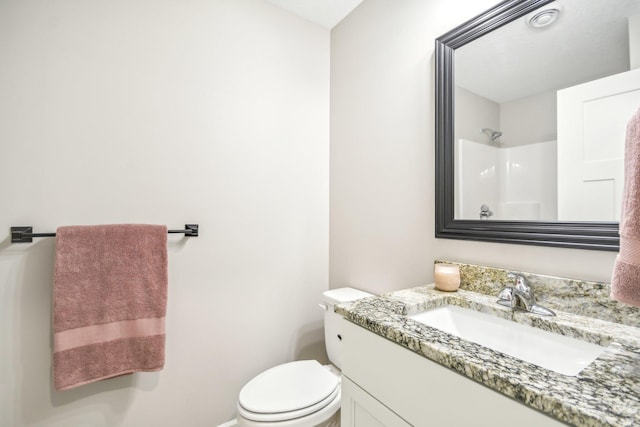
(386, 385)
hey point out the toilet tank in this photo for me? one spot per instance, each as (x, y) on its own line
(333, 321)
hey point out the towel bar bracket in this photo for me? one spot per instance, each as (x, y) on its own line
(190, 230)
(25, 234)
(21, 234)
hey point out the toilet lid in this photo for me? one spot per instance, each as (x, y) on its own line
(288, 387)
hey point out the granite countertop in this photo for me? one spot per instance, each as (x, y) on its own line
(605, 393)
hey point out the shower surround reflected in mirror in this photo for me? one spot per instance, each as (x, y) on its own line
(514, 182)
(531, 124)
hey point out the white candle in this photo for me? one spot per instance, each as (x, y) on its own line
(447, 277)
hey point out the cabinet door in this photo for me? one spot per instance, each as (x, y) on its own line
(359, 409)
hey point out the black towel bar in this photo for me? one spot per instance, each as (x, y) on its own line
(26, 234)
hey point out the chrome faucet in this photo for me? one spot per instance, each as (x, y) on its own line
(520, 297)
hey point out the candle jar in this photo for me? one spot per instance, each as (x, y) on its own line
(447, 277)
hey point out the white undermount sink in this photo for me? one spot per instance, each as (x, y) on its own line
(559, 353)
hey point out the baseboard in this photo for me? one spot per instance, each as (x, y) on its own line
(231, 423)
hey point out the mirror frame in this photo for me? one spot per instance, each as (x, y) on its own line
(578, 235)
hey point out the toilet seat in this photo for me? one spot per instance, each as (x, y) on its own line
(325, 417)
(289, 391)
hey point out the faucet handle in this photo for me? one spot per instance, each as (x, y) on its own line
(521, 284)
(518, 280)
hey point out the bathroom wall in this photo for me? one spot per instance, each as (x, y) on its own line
(478, 113)
(634, 42)
(382, 155)
(529, 120)
(213, 112)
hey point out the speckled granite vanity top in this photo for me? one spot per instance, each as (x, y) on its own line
(606, 393)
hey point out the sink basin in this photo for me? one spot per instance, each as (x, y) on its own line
(559, 353)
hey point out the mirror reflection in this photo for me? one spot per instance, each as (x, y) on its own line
(541, 107)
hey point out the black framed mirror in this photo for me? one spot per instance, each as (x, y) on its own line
(595, 235)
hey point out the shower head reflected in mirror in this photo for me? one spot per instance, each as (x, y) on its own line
(492, 134)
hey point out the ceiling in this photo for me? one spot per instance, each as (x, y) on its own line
(326, 13)
(588, 41)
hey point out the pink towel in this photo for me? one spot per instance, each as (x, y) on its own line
(625, 284)
(109, 302)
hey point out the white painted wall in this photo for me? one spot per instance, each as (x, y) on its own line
(382, 155)
(522, 121)
(529, 120)
(215, 112)
(634, 42)
(476, 113)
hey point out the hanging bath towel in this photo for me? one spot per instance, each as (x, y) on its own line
(625, 284)
(109, 302)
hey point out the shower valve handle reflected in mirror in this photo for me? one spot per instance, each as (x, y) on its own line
(485, 212)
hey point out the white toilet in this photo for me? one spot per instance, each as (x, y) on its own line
(302, 393)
